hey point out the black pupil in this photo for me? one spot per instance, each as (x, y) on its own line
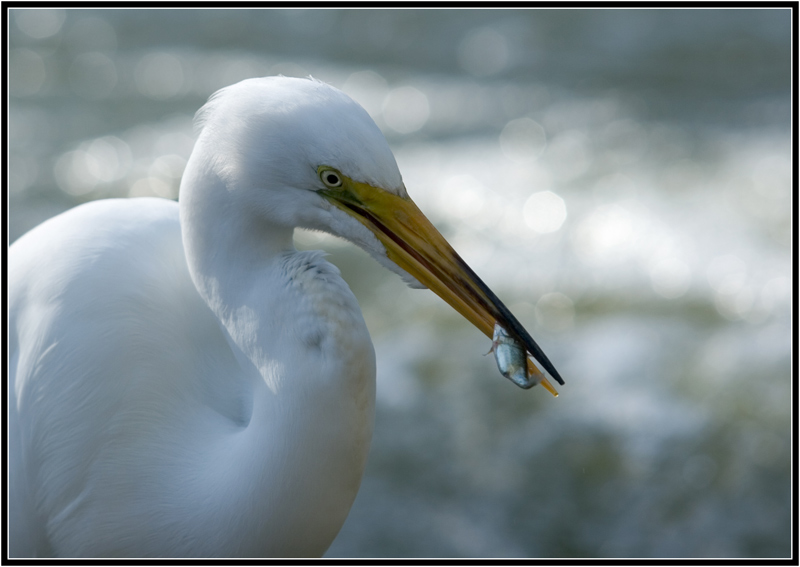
(332, 179)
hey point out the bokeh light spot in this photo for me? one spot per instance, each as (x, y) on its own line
(670, 278)
(523, 140)
(103, 160)
(93, 76)
(462, 196)
(483, 52)
(569, 154)
(726, 273)
(606, 234)
(159, 76)
(91, 34)
(544, 212)
(153, 187)
(555, 312)
(26, 72)
(39, 23)
(406, 109)
(369, 89)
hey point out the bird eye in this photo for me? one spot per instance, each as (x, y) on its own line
(330, 178)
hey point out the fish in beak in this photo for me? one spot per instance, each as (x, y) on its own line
(414, 244)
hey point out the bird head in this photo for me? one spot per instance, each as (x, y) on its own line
(299, 152)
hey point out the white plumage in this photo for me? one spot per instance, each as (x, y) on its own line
(182, 381)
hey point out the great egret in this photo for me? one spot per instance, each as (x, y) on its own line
(183, 382)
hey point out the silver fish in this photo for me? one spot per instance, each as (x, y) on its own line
(512, 359)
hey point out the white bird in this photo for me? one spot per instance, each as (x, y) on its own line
(183, 382)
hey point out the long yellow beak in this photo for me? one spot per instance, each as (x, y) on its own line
(414, 244)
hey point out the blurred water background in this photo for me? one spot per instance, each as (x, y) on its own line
(622, 180)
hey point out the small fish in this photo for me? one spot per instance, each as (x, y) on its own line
(512, 359)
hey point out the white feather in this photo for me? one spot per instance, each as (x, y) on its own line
(182, 381)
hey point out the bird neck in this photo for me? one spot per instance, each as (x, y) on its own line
(298, 383)
(230, 249)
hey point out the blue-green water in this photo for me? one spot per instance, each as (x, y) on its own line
(621, 179)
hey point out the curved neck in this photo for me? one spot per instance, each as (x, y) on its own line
(228, 245)
(280, 372)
